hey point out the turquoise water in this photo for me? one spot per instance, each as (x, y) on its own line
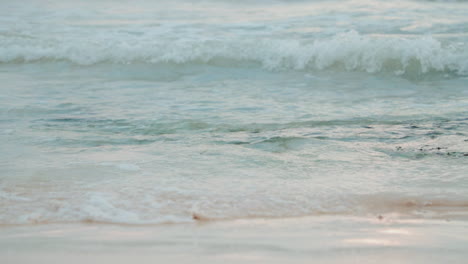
(138, 113)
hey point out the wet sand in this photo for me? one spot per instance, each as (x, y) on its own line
(323, 239)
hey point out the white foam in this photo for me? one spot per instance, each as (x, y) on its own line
(349, 51)
(150, 203)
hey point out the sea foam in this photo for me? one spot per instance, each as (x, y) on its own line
(348, 51)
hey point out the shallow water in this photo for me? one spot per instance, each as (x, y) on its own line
(149, 113)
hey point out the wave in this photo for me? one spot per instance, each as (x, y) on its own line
(176, 205)
(349, 51)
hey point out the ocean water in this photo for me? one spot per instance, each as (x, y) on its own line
(153, 112)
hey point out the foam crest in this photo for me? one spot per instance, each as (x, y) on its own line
(349, 51)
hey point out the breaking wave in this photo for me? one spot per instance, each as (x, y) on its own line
(349, 51)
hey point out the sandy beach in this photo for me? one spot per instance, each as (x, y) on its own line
(321, 239)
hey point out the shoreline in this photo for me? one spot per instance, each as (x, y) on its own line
(323, 239)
